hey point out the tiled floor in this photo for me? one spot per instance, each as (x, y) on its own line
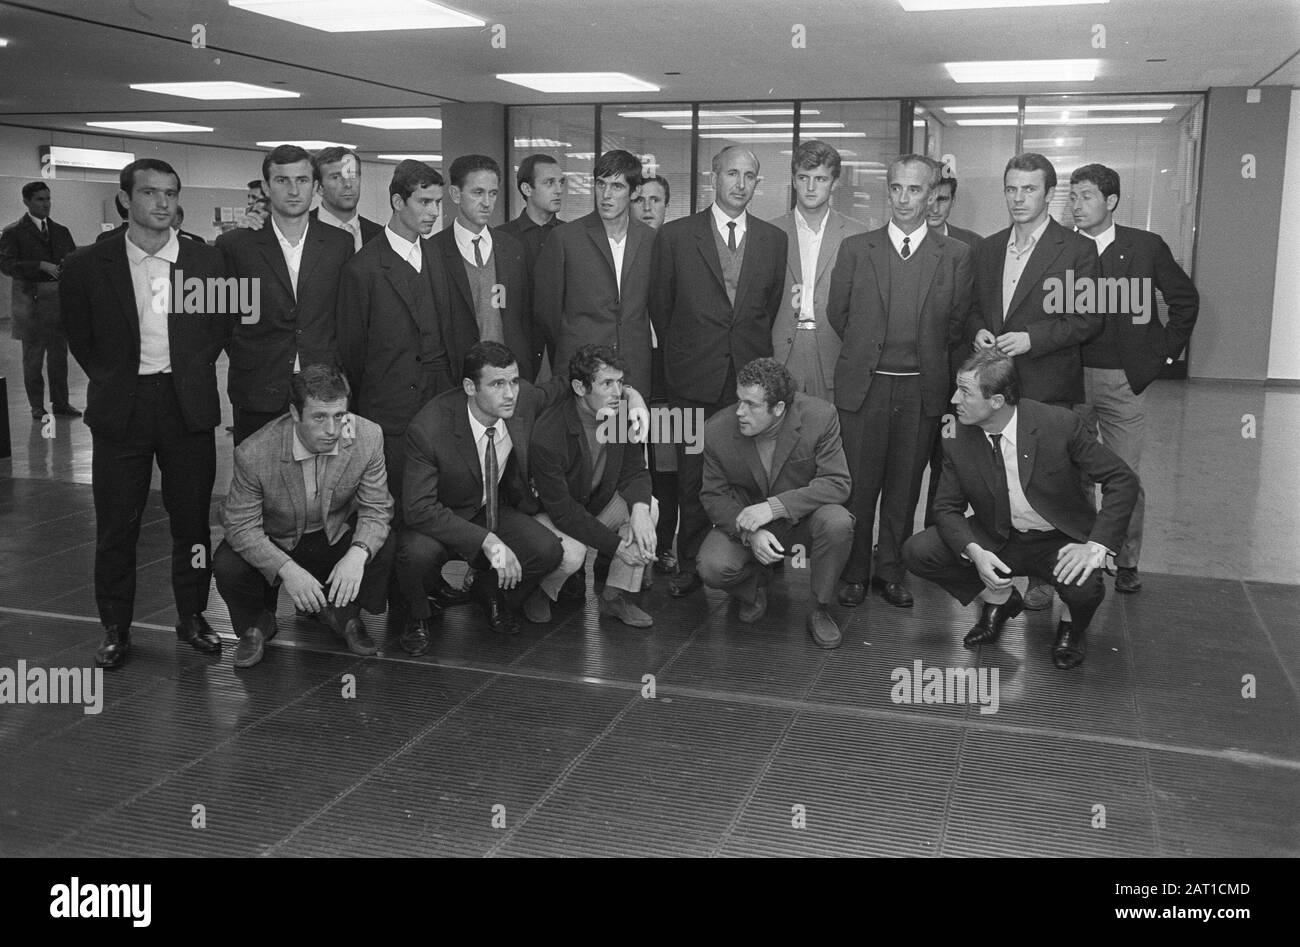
(754, 742)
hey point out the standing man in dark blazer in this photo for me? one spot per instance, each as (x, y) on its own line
(32, 251)
(1127, 356)
(1017, 463)
(491, 295)
(716, 284)
(899, 299)
(592, 282)
(152, 394)
(297, 262)
(541, 183)
(337, 173)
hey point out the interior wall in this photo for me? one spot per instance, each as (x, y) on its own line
(1284, 341)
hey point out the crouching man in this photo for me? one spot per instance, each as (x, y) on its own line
(595, 490)
(308, 509)
(775, 474)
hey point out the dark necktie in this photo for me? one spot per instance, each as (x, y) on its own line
(1003, 498)
(731, 236)
(905, 253)
(490, 478)
(478, 257)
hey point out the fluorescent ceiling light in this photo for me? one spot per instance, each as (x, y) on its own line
(1117, 120)
(1034, 144)
(392, 124)
(1025, 70)
(979, 109)
(757, 125)
(772, 136)
(578, 81)
(1011, 109)
(541, 143)
(3, 42)
(90, 158)
(214, 90)
(432, 159)
(347, 16)
(711, 113)
(149, 126)
(581, 155)
(309, 145)
(986, 121)
(925, 6)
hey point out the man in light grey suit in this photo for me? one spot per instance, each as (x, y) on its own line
(308, 508)
(802, 340)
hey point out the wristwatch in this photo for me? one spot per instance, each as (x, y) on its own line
(364, 548)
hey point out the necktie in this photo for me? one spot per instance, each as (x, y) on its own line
(731, 236)
(490, 478)
(478, 255)
(1003, 498)
(413, 258)
(355, 229)
(905, 253)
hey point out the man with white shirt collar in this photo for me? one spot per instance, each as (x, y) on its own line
(296, 262)
(1017, 464)
(152, 395)
(1120, 362)
(899, 298)
(943, 198)
(337, 173)
(716, 284)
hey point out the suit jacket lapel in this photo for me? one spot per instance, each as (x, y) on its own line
(785, 442)
(1026, 448)
(708, 247)
(291, 474)
(1118, 257)
(755, 250)
(745, 446)
(313, 248)
(931, 253)
(881, 247)
(456, 267)
(269, 246)
(334, 467)
(465, 442)
(403, 280)
(636, 233)
(830, 247)
(793, 258)
(1045, 253)
(118, 270)
(596, 232)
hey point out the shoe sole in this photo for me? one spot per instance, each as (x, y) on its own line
(247, 663)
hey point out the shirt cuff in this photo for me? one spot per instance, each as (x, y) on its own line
(1106, 549)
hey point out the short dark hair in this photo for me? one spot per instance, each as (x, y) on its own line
(34, 187)
(255, 183)
(322, 382)
(613, 163)
(1106, 179)
(282, 154)
(774, 378)
(951, 182)
(466, 165)
(995, 373)
(812, 154)
(331, 155)
(411, 175)
(122, 210)
(126, 179)
(585, 363)
(527, 173)
(485, 353)
(662, 182)
(1032, 161)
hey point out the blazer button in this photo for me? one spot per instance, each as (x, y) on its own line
(299, 331)
(417, 358)
(412, 387)
(880, 346)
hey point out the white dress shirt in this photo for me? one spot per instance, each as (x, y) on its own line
(720, 220)
(1023, 516)
(352, 226)
(503, 445)
(465, 241)
(1103, 239)
(408, 251)
(616, 247)
(151, 276)
(293, 261)
(810, 246)
(896, 236)
(1015, 261)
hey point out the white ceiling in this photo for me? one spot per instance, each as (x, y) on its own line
(70, 61)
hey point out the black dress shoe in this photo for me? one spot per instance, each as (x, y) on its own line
(1070, 646)
(66, 411)
(992, 617)
(38, 414)
(895, 593)
(684, 583)
(823, 629)
(445, 596)
(499, 617)
(416, 639)
(574, 588)
(357, 638)
(853, 594)
(1126, 579)
(117, 641)
(195, 631)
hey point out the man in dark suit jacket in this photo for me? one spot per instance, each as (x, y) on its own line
(1016, 272)
(540, 182)
(1127, 356)
(593, 485)
(580, 295)
(899, 299)
(775, 475)
(152, 394)
(1017, 463)
(297, 262)
(496, 304)
(716, 284)
(337, 173)
(32, 250)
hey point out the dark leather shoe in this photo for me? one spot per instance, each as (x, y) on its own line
(38, 414)
(683, 583)
(267, 625)
(753, 612)
(622, 608)
(445, 596)
(117, 641)
(195, 631)
(1126, 579)
(358, 640)
(853, 594)
(574, 588)
(992, 617)
(1070, 646)
(537, 607)
(66, 411)
(498, 615)
(895, 593)
(416, 639)
(823, 629)
(250, 649)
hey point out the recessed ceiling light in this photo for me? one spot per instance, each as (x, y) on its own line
(3, 42)
(309, 145)
(347, 16)
(541, 143)
(214, 90)
(578, 81)
(432, 159)
(1035, 144)
(925, 6)
(756, 125)
(1116, 107)
(1025, 70)
(772, 136)
(1115, 120)
(150, 126)
(712, 113)
(581, 155)
(978, 109)
(986, 121)
(391, 124)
